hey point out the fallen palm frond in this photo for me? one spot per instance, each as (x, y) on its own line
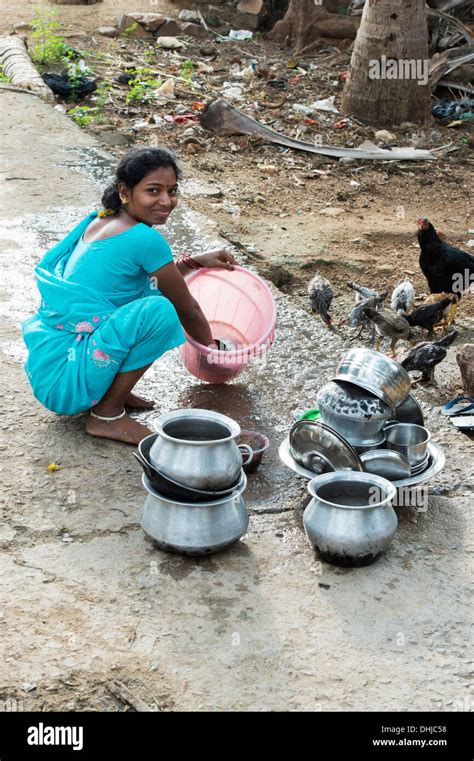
(224, 119)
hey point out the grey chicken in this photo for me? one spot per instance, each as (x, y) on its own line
(361, 292)
(357, 316)
(320, 296)
(403, 297)
(388, 325)
(425, 356)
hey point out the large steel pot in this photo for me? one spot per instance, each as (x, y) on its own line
(350, 520)
(194, 529)
(197, 448)
(376, 373)
(356, 414)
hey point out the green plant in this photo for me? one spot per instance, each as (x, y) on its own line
(130, 28)
(101, 95)
(141, 86)
(50, 47)
(149, 55)
(83, 115)
(187, 70)
(3, 77)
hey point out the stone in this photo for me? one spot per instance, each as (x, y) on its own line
(113, 138)
(332, 211)
(169, 43)
(108, 31)
(170, 28)
(151, 21)
(189, 16)
(384, 136)
(465, 360)
(194, 30)
(251, 13)
(129, 26)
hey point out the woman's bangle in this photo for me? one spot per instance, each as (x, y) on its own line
(190, 262)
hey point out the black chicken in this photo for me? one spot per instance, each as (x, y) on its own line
(447, 269)
(428, 315)
(424, 357)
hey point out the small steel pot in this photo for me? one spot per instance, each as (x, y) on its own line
(376, 373)
(350, 520)
(410, 440)
(194, 529)
(197, 448)
(356, 414)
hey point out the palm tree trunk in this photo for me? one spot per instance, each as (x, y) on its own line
(388, 81)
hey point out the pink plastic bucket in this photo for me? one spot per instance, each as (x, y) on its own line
(240, 308)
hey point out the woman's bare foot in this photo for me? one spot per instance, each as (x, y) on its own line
(125, 429)
(138, 403)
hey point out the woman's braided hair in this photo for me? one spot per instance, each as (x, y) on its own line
(132, 168)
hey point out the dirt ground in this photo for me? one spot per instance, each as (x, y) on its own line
(264, 626)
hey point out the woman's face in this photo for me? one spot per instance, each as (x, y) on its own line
(152, 199)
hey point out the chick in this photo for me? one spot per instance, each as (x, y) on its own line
(357, 316)
(320, 296)
(389, 325)
(427, 316)
(403, 297)
(425, 356)
(448, 314)
(361, 292)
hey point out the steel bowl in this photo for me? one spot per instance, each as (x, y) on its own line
(376, 373)
(386, 463)
(355, 413)
(258, 443)
(194, 529)
(409, 411)
(410, 440)
(350, 520)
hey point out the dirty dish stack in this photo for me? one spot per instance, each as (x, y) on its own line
(350, 520)
(194, 482)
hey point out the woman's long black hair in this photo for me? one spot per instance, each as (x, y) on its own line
(133, 167)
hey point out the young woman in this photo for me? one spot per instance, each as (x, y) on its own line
(113, 301)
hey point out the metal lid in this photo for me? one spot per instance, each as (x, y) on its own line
(319, 448)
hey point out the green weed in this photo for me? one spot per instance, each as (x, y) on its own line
(50, 47)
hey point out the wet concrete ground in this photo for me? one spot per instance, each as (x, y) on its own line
(262, 626)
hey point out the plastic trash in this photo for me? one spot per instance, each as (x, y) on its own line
(240, 34)
(452, 108)
(167, 88)
(231, 91)
(327, 104)
(300, 109)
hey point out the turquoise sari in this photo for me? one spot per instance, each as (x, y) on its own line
(99, 315)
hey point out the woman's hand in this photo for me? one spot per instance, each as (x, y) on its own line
(217, 258)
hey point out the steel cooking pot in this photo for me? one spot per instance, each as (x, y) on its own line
(197, 448)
